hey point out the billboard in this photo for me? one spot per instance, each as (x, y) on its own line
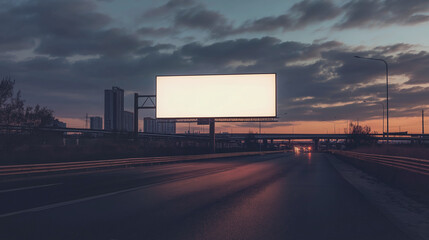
(216, 96)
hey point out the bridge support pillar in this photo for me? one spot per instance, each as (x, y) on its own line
(316, 144)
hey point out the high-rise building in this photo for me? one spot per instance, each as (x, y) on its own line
(166, 126)
(156, 126)
(128, 121)
(149, 125)
(96, 123)
(113, 108)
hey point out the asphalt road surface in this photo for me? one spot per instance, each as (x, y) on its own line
(278, 196)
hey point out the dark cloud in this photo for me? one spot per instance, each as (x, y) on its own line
(310, 12)
(22, 25)
(167, 8)
(396, 48)
(106, 42)
(379, 13)
(298, 16)
(318, 82)
(411, 65)
(266, 24)
(155, 49)
(157, 32)
(356, 14)
(352, 14)
(63, 28)
(200, 18)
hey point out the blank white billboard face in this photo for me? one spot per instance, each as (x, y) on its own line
(216, 96)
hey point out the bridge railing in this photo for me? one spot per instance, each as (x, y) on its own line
(31, 169)
(415, 165)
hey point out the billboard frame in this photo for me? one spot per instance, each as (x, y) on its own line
(222, 119)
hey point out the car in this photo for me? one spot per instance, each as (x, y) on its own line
(303, 149)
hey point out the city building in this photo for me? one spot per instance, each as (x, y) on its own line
(113, 109)
(96, 123)
(128, 121)
(151, 125)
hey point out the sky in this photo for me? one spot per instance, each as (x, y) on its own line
(64, 53)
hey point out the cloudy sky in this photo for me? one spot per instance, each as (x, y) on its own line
(64, 53)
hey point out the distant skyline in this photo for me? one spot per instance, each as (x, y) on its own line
(63, 54)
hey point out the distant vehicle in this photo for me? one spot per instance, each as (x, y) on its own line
(303, 149)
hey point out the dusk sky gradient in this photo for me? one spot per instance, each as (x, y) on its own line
(64, 53)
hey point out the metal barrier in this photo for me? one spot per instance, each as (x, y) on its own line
(99, 164)
(415, 165)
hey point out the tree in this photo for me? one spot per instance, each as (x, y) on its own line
(39, 116)
(13, 112)
(360, 134)
(6, 90)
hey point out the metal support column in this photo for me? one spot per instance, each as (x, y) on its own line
(149, 103)
(316, 144)
(136, 113)
(212, 135)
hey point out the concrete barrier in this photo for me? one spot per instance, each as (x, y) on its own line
(32, 169)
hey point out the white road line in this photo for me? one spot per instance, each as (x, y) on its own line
(61, 204)
(31, 187)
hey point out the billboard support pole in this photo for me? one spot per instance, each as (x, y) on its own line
(149, 103)
(136, 114)
(212, 135)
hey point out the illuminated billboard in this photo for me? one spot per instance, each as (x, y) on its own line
(216, 96)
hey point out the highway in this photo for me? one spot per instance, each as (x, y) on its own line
(273, 196)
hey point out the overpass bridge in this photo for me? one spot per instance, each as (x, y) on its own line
(220, 136)
(297, 136)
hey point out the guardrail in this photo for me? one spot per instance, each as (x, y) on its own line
(26, 169)
(415, 165)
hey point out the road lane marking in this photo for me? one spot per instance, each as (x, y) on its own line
(31, 187)
(61, 204)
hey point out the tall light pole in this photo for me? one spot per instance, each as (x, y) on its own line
(423, 122)
(383, 117)
(387, 92)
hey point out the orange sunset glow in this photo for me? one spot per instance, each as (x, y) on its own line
(202, 119)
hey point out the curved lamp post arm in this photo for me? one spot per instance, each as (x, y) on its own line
(387, 91)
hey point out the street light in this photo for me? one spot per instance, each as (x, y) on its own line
(387, 92)
(382, 105)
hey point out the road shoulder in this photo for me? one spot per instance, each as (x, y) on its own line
(409, 215)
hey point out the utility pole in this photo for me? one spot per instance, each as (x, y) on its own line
(86, 120)
(423, 122)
